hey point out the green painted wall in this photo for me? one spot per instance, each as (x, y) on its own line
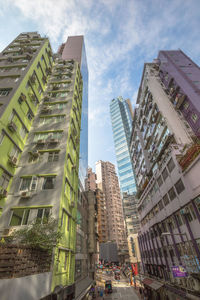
(21, 109)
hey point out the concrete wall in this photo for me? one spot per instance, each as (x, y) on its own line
(29, 287)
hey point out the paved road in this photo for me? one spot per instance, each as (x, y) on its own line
(121, 290)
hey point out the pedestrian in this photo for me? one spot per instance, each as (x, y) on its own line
(140, 291)
(98, 290)
(101, 294)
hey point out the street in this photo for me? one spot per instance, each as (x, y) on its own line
(121, 289)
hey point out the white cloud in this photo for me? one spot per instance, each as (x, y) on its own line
(119, 36)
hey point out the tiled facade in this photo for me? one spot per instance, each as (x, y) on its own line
(165, 156)
(41, 115)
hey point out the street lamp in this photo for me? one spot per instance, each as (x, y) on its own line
(183, 234)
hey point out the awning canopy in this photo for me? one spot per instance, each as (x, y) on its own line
(154, 284)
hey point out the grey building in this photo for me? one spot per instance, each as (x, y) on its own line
(165, 156)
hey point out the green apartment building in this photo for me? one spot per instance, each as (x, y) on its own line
(40, 122)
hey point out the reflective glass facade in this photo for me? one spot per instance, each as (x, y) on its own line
(121, 119)
(83, 162)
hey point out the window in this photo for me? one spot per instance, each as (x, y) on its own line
(43, 215)
(160, 204)
(172, 194)
(164, 174)
(192, 211)
(19, 217)
(23, 132)
(14, 152)
(49, 183)
(4, 92)
(159, 180)
(179, 219)
(24, 216)
(38, 65)
(4, 180)
(1, 137)
(186, 105)
(179, 186)
(171, 165)
(20, 100)
(28, 183)
(166, 200)
(197, 202)
(194, 117)
(30, 115)
(53, 156)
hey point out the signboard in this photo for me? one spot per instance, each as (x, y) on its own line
(191, 263)
(179, 271)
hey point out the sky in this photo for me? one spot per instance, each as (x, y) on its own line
(120, 36)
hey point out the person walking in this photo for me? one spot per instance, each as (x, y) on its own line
(101, 294)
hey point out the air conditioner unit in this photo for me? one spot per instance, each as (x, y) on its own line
(12, 126)
(41, 142)
(3, 192)
(32, 79)
(53, 141)
(10, 59)
(25, 194)
(32, 97)
(28, 56)
(48, 70)
(72, 204)
(23, 97)
(45, 109)
(13, 161)
(35, 153)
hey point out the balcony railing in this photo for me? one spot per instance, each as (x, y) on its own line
(189, 156)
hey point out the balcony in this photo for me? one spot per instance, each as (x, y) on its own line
(12, 126)
(3, 192)
(12, 161)
(189, 156)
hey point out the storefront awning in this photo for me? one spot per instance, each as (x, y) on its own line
(154, 284)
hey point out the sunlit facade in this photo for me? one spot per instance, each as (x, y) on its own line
(121, 117)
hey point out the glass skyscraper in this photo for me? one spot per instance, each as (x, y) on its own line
(121, 117)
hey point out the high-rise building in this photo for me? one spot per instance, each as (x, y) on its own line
(121, 118)
(166, 159)
(107, 181)
(101, 206)
(41, 117)
(74, 48)
(90, 182)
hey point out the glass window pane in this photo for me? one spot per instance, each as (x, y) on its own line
(17, 216)
(48, 183)
(171, 165)
(26, 215)
(179, 186)
(25, 184)
(46, 215)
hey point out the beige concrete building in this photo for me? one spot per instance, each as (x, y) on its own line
(90, 182)
(107, 181)
(101, 206)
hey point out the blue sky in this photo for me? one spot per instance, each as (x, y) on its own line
(120, 35)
